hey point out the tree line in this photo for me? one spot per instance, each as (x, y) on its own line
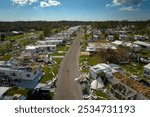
(37, 25)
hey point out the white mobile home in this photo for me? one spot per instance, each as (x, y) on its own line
(31, 49)
(147, 70)
(50, 42)
(40, 48)
(28, 73)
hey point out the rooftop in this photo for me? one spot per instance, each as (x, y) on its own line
(117, 42)
(3, 90)
(101, 67)
(31, 47)
(147, 66)
(142, 43)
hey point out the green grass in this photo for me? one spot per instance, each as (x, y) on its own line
(102, 94)
(136, 68)
(92, 60)
(49, 69)
(14, 37)
(48, 75)
(58, 54)
(6, 57)
(62, 48)
(145, 53)
(58, 60)
(15, 90)
(25, 42)
(18, 36)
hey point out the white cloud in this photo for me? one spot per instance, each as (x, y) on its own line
(122, 2)
(128, 9)
(126, 5)
(42, 3)
(135, 2)
(23, 2)
(49, 3)
(108, 5)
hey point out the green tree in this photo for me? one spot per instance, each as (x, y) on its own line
(3, 37)
(41, 37)
(116, 36)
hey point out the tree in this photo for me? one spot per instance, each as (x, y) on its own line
(3, 37)
(116, 36)
(41, 37)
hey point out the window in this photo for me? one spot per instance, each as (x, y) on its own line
(28, 75)
(53, 48)
(13, 74)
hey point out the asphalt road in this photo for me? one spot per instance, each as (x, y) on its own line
(67, 88)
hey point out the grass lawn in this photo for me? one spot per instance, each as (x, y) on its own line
(15, 90)
(135, 69)
(15, 37)
(6, 57)
(49, 69)
(58, 54)
(58, 60)
(92, 60)
(18, 36)
(62, 48)
(145, 53)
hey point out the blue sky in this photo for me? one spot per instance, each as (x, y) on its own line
(85, 10)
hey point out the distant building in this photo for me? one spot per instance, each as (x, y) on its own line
(95, 47)
(13, 33)
(139, 37)
(123, 37)
(147, 70)
(50, 42)
(110, 37)
(40, 49)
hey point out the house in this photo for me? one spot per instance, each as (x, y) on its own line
(98, 46)
(14, 97)
(50, 42)
(13, 33)
(31, 49)
(144, 45)
(147, 70)
(134, 47)
(117, 43)
(99, 68)
(139, 37)
(123, 37)
(10, 72)
(110, 37)
(40, 49)
(122, 32)
(46, 48)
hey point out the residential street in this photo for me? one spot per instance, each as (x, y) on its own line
(67, 88)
